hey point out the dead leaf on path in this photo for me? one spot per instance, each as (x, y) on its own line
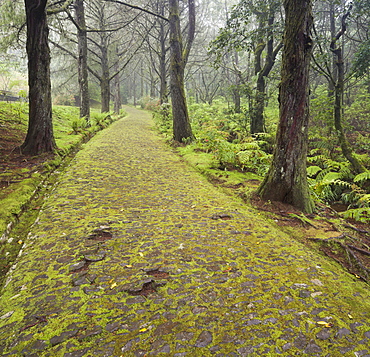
(113, 285)
(324, 323)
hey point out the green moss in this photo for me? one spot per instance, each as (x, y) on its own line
(208, 260)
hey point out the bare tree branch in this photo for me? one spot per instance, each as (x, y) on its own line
(138, 8)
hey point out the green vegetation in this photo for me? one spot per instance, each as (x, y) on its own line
(26, 180)
(224, 144)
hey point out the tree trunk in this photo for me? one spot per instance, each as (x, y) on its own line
(163, 93)
(333, 66)
(104, 81)
(117, 94)
(181, 123)
(338, 100)
(286, 180)
(40, 136)
(236, 88)
(258, 103)
(117, 86)
(82, 60)
(257, 118)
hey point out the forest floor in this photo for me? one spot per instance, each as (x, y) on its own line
(134, 253)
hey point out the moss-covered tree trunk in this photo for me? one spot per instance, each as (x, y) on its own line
(286, 180)
(179, 55)
(40, 136)
(82, 60)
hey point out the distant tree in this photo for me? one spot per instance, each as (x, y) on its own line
(329, 60)
(253, 26)
(286, 180)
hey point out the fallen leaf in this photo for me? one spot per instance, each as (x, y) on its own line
(113, 285)
(350, 316)
(357, 276)
(128, 266)
(143, 329)
(141, 254)
(324, 323)
(8, 314)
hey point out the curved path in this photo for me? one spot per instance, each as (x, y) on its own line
(135, 254)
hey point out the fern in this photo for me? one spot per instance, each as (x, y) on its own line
(363, 176)
(251, 146)
(364, 200)
(358, 214)
(313, 170)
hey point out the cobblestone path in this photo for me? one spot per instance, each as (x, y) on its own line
(135, 254)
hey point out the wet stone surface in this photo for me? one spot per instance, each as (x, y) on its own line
(135, 254)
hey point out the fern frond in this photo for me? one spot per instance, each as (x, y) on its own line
(251, 146)
(342, 183)
(330, 177)
(364, 200)
(363, 176)
(317, 158)
(358, 214)
(313, 170)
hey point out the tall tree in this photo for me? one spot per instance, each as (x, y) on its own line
(179, 56)
(286, 180)
(40, 136)
(82, 60)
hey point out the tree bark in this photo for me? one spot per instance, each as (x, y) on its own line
(39, 138)
(182, 131)
(82, 60)
(286, 180)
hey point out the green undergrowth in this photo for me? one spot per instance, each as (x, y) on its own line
(243, 183)
(25, 187)
(224, 134)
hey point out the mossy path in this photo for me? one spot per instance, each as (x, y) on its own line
(136, 254)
